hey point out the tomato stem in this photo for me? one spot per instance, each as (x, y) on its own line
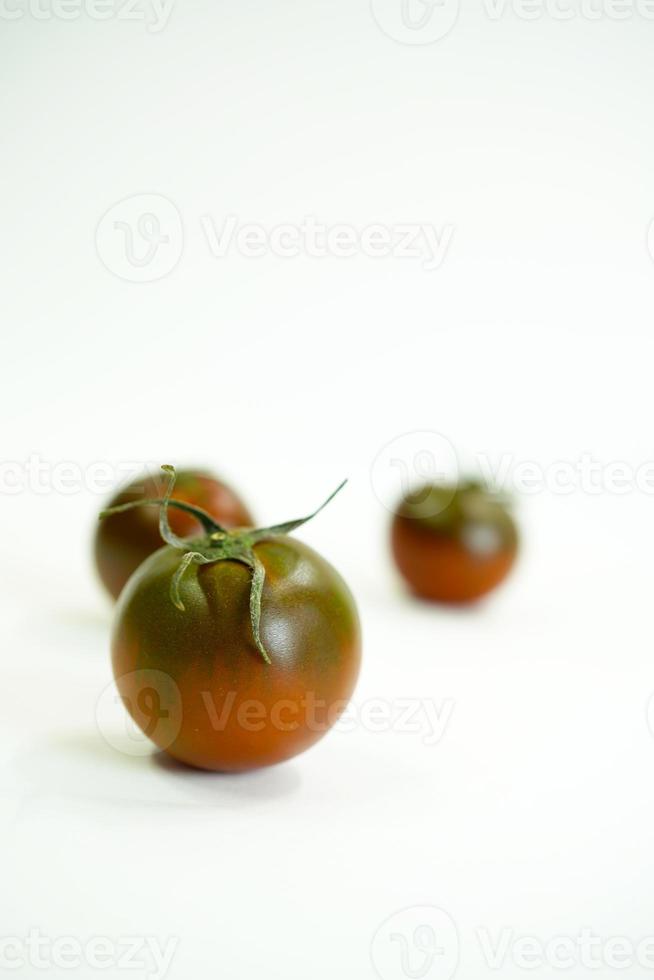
(207, 521)
(218, 544)
(260, 533)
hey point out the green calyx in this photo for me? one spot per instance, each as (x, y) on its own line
(218, 544)
(444, 506)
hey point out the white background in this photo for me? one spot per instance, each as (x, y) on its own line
(533, 140)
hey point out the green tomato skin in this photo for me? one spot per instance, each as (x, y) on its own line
(194, 681)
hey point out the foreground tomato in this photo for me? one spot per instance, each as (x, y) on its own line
(453, 543)
(237, 650)
(127, 538)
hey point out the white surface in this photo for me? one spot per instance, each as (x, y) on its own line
(534, 339)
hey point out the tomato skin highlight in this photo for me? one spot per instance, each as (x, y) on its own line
(235, 712)
(453, 544)
(123, 541)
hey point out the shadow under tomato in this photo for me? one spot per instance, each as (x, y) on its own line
(73, 768)
(403, 596)
(225, 787)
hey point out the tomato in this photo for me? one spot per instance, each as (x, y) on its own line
(453, 544)
(237, 650)
(126, 539)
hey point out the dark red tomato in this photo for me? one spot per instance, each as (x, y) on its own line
(124, 540)
(194, 680)
(236, 650)
(453, 544)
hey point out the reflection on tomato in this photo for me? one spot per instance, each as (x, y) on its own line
(124, 540)
(453, 543)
